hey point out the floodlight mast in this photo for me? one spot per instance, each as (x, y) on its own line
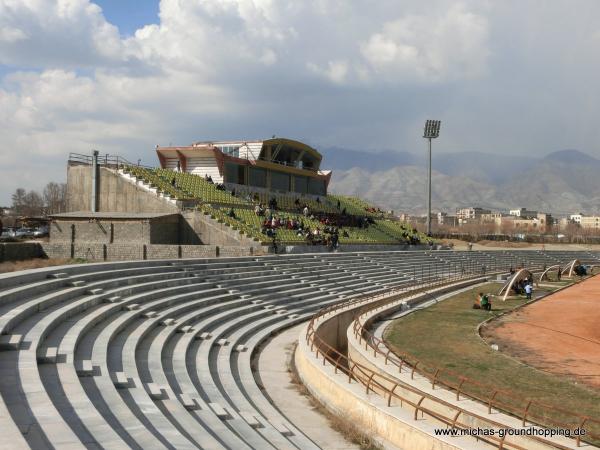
(432, 131)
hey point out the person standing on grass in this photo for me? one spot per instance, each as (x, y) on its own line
(528, 290)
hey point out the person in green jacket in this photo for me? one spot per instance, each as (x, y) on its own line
(485, 303)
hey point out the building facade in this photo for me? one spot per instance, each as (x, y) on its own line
(274, 164)
(470, 215)
(524, 213)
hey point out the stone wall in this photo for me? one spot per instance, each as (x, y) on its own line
(160, 230)
(94, 251)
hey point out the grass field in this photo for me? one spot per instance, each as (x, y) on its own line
(445, 335)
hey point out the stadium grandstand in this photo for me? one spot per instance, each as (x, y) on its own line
(267, 195)
(166, 337)
(162, 354)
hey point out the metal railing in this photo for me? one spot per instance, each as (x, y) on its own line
(387, 386)
(285, 163)
(106, 160)
(493, 397)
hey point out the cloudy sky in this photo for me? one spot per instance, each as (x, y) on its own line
(516, 76)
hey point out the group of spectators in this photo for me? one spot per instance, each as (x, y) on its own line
(523, 286)
(218, 186)
(328, 236)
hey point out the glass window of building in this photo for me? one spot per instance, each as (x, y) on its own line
(234, 173)
(257, 177)
(280, 181)
(231, 150)
(316, 186)
(300, 184)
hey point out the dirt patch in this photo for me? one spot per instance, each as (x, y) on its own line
(504, 244)
(560, 334)
(37, 263)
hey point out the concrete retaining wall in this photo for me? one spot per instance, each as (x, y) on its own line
(368, 412)
(395, 423)
(115, 193)
(217, 233)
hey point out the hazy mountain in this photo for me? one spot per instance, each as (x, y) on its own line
(561, 182)
(344, 159)
(572, 157)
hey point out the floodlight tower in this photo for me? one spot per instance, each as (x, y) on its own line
(432, 131)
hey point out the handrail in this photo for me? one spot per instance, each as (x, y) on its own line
(375, 382)
(105, 160)
(378, 346)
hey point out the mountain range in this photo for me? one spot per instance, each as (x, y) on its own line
(562, 182)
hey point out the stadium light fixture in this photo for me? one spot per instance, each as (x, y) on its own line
(432, 131)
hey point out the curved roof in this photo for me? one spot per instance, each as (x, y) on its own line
(292, 143)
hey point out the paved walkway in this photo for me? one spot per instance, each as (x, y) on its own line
(559, 334)
(273, 368)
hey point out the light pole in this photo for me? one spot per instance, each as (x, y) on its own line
(432, 130)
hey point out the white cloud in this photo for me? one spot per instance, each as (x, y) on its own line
(73, 33)
(335, 71)
(344, 72)
(449, 46)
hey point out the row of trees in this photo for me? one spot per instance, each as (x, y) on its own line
(52, 200)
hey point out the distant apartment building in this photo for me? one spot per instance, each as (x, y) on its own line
(541, 223)
(494, 217)
(523, 212)
(446, 219)
(581, 220)
(576, 218)
(470, 215)
(590, 222)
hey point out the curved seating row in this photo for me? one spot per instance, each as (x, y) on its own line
(159, 354)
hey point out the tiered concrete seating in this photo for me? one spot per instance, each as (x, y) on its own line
(159, 354)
